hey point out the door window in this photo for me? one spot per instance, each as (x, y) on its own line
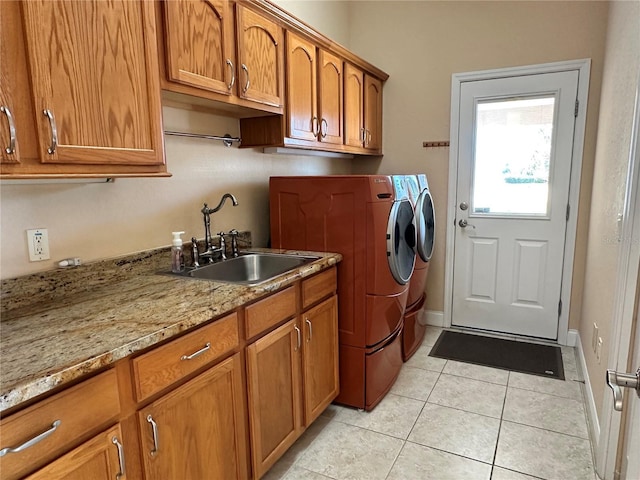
(512, 156)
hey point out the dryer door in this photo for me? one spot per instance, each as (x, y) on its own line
(426, 225)
(401, 241)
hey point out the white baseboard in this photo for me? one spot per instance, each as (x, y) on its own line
(572, 338)
(433, 318)
(592, 411)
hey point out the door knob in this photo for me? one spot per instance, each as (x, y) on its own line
(464, 224)
(464, 206)
(617, 380)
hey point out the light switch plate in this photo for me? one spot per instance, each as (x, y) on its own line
(38, 244)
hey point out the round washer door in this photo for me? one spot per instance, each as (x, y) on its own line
(401, 241)
(426, 225)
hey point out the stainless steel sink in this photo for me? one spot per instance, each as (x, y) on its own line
(250, 268)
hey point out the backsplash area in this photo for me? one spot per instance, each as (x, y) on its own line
(85, 279)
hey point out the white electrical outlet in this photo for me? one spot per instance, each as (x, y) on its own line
(38, 244)
(599, 349)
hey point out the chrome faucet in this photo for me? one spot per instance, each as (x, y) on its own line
(206, 212)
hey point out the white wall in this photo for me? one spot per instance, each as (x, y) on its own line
(619, 81)
(420, 44)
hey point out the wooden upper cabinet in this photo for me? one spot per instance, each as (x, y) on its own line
(95, 86)
(353, 106)
(302, 111)
(314, 92)
(373, 113)
(260, 58)
(200, 46)
(362, 110)
(330, 98)
(17, 131)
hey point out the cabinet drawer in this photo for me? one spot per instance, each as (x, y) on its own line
(69, 417)
(269, 312)
(165, 365)
(318, 287)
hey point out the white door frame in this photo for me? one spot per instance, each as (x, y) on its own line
(625, 303)
(583, 67)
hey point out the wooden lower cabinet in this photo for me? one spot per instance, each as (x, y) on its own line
(101, 458)
(320, 358)
(197, 431)
(292, 377)
(274, 391)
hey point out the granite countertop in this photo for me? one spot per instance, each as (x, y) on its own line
(61, 325)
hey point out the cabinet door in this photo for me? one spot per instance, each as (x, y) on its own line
(260, 58)
(320, 358)
(330, 92)
(373, 113)
(353, 106)
(17, 132)
(301, 88)
(198, 430)
(98, 459)
(95, 81)
(274, 390)
(200, 44)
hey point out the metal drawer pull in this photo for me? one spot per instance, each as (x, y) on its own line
(154, 431)
(310, 329)
(315, 128)
(118, 445)
(33, 441)
(195, 354)
(298, 332)
(246, 85)
(233, 74)
(54, 132)
(11, 149)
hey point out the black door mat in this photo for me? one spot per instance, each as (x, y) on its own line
(543, 360)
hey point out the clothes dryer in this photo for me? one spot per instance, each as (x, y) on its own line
(414, 325)
(370, 221)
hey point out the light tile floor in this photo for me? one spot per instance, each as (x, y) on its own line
(448, 420)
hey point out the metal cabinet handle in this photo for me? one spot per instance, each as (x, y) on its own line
(616, 380)
(54, 132)
(323, 134)
(315, 127)
(308, 322)
(367, 140)
(246, 85)
(33, 441)
(362, 135)
(233, 74)
(195, 354)
(118, 445)
(154, 431)
(298, 332)
(11, 149)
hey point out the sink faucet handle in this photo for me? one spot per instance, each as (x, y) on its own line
(234, 242)
(223, 246)
(195, 255)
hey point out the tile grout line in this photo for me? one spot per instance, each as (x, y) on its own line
(504, 403)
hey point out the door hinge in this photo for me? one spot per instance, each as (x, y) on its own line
(568, 211)
(559, 308)
(575, 111)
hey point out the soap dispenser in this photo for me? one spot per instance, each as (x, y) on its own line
(177, 257)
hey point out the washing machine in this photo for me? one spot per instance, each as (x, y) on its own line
(414, 326)
(369, 219)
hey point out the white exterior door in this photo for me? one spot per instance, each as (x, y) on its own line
(515, 145)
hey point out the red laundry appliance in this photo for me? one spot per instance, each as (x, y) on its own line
(370, 221)
(414, 325)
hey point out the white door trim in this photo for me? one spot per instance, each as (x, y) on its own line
(583, 67)
(625, 302)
